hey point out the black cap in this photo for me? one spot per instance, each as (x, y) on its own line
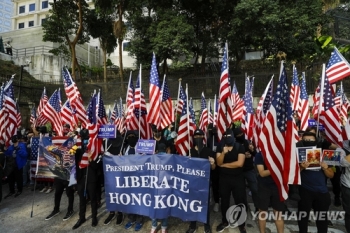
(132, 132)
(307, 133)
(198, 132)
(155, 129)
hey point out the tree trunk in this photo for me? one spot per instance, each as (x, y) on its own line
(104, 64)
(121, 70)
(73, 57)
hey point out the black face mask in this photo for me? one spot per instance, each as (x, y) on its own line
(229, 140)
(240, 139)
(14, 140)
(309, 143)
(157, 134)
(199, 143)
(132, 141)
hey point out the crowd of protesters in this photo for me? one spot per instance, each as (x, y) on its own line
(236, 165)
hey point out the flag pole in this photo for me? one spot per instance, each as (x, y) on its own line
(36, 174)
(321, 96)
(177, 104)
(188, 122)
(126, 98)
(140, 80)
(161, 95)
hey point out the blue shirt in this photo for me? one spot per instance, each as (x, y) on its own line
(314, 180)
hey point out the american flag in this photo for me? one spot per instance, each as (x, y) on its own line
(192, 114)
(215, 111)
(121, 125)
(210, 113)
(101, 111)
(66, 113)
(337, 68)
(340, 102)
(248, 112)
(114, 114)
(330, 116)
(18, 115)
(52, 112)
(166, 107)
(129, 102)
(94, 146)
(141, 121)
(295, 91)
(261, 110)
(10, 107)
(153, 115)
(32, 115)
(225, 105)
(180, 100)
(316, 100)
(277, 141)
(183, 142)
(3, 117)
(304, 111)
(74, 96)
(203, 120)
(43, 100)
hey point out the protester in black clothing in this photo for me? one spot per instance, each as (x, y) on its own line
(231, 161)
(200, 151)
(60, 185)
(268, 196)
(87, 182)
(157, 135)
(114, 147)
(212, 143)
(248, 168)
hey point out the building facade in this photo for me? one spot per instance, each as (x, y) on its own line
(5, 15)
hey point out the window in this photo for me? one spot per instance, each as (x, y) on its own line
(126, 46)
(43, 21)
(20, 25)
(32, 7)
(22, 9)
(30, 23)
(44, 4)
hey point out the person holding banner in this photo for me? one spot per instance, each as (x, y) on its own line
(131, 139)
(114, 147)
(231, 161)
(17, 151)
(87, 180)
(157, 135)
(199, 150)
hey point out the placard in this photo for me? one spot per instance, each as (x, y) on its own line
(313, 157)
(301, 151)
(331, 157)
(145, 147)
(313, 123)
(107, 131)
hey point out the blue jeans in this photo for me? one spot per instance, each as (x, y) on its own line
(164, 223)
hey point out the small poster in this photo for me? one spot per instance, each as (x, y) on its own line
(331, 157)
(313, 157)
(301, 151)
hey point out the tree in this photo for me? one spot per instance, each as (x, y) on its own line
(66, 25)
(100, 26)
(119, 28)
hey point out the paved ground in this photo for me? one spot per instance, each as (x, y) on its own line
(15, 216)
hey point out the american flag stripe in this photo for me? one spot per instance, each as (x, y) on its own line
(18, 116)
(295, 91)
(10, 107)
(52, 111)
(166, 108)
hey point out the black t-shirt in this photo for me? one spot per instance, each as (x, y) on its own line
(161, 140)
(232, 156)
(267, 181)
(204, 154)
(248, 162)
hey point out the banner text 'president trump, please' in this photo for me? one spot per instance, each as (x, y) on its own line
(158, 186)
